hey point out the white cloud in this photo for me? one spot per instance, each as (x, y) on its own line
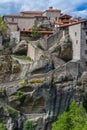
(6, 1)
(82, 13)
(68, 6)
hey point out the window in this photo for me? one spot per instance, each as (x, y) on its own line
(18, 28)
(85, 24)
(12, 19)
(86, 63)
(37, 18)
(75, 33)
(85, 51)
(76, 41)
(86, 41)
(86, 33)
(56, 18)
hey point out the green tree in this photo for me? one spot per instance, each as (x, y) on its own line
(2, 126)
(28, 125)
(35, 33)
(74, 119)
(61, 123)
(85, 101)
(3, 26)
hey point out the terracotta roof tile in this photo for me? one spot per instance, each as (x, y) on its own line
(18, 16)
(65, 15)
(44, 32)
(73, 23)
(59, 23)
(33, 12)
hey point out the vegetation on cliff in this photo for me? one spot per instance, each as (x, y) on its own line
(35, 33)
(2, 126)
(73, 119)
(22, 57)
(3, 27)
(29, 125)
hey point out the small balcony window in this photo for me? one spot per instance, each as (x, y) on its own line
(12, 19)
(76, 41)
(56, 18)
(85, 24)
(75, 33)
(86, 63)
(85, 51)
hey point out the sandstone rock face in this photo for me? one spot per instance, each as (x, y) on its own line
(20, 48)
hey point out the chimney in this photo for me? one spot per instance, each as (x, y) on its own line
(50, 8)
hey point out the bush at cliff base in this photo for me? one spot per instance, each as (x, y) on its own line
(28, 125)
(73, 119)
(2, 126)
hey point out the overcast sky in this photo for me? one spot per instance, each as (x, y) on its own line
(77, 8)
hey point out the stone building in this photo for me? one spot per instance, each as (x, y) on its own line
(1, 41)
(78, 34)
(27, 19)
(19, 22)
(52, 14)
(34, 52)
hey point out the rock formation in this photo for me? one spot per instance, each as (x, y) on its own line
(20, 48)
(39, 90)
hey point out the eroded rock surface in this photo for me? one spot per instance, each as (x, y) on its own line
(39, 90)
(42, 97)
(21, 48)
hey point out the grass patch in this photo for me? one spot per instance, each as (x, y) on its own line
(18, 94)
(3, 62)
(23, 57)
(29, 125)
(24, 82)
(2, 127)
(36, 81)
(13, 113)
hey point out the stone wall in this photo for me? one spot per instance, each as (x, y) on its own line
(34, 52)
(1, 47)
(70, 68)
(15, 36)
(22, 23)
(75, 35)
(54, 38)
(52, 15)
(84, 42)
(12, 27)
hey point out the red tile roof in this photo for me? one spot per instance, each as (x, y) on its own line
(18, 16)
(58, 23)
(65, 16)
(52, 10)
(43, 32)
(73, 23)
(33, 12)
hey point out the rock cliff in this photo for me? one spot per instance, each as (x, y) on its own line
(39, 90)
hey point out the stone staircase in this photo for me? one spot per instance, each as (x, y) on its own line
(54, 38)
